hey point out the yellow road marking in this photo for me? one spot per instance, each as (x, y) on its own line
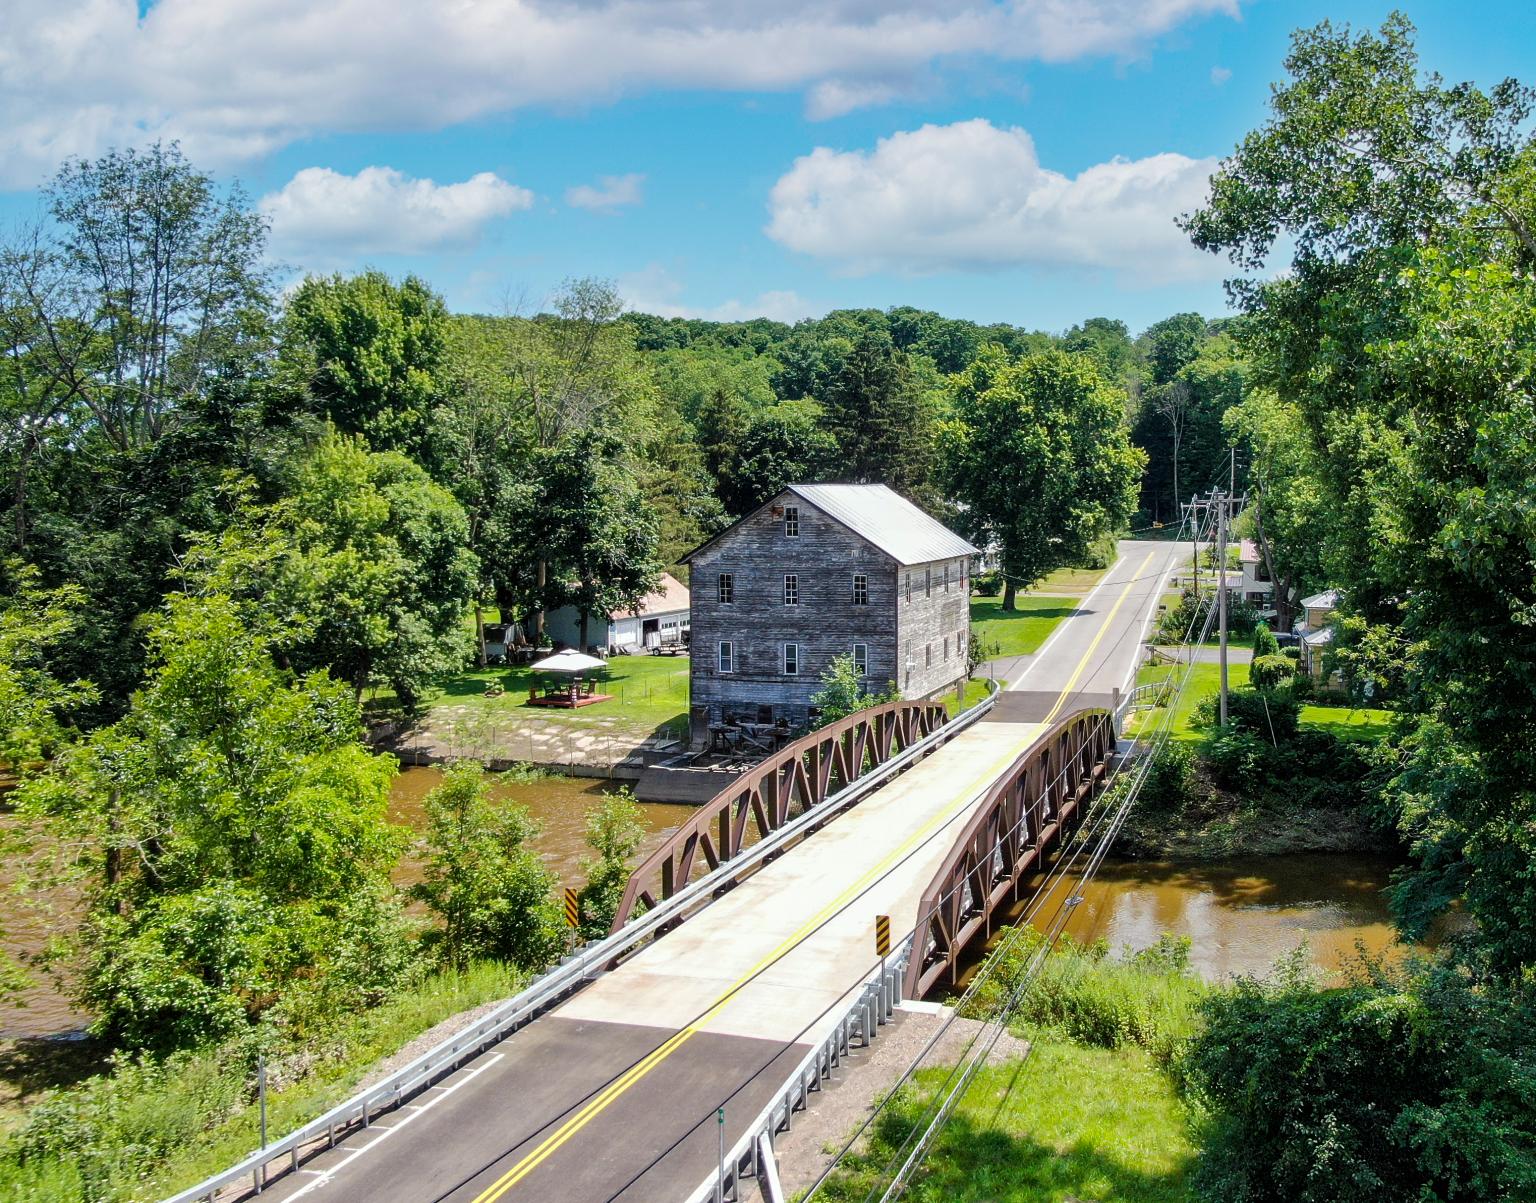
(599, 1103)
(1093, 646)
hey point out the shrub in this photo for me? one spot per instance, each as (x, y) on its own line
(1397, 1087)
(1270, 672)
(1264, 641)
(614, 831)
(1273, 717)
(988, 584)
(1169, 779)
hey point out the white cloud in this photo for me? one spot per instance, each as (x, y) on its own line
(833, 98)
(655, 290)
(239, 78)
(611, 192)
(381, 211)
(972, 196)
(1220, 75)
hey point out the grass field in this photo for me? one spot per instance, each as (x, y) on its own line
(1205, 681)
(647, 691)
(1070, 580)
(1022, 631)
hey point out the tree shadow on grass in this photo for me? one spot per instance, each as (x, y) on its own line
(973, 1162)
(30, 1065)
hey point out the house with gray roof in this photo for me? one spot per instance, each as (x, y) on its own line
(821, 571)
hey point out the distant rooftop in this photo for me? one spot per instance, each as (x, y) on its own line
(1326, 600)
(670, 595)
(888, 520)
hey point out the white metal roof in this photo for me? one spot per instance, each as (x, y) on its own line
(1321, 601)
(888, 520)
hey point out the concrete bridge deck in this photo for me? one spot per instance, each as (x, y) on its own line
(615, 1094)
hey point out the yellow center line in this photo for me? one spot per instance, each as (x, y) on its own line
(1098, 636)
(600, 1102)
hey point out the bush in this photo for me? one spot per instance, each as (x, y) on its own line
(1264, 641)
(1187, 619)
(1169, 779)
(1273, 717)
(1396, 1088)
(988, 584)
(1270, 672)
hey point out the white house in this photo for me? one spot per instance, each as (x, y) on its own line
(661, 619)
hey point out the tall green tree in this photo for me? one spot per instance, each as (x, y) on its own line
(1037, 452)
(1403, 337)
(370, 353)
(883, 430)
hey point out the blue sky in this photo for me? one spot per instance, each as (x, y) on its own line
(1011, 162)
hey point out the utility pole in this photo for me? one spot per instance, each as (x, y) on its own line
(1194, 541)
(1221, 591)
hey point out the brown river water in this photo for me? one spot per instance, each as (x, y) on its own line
(1241, 917)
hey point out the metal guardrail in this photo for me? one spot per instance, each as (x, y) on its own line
(554, 986)
(752, 1155)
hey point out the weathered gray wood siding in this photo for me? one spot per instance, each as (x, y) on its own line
(825, 624)
(933, 626)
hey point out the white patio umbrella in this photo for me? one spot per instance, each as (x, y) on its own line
(568, 662)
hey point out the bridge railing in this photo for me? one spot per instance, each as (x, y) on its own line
(552, 987)
(752, 1154)
(1025, 812)
(793, 782)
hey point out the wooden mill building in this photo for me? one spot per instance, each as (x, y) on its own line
(818, 572)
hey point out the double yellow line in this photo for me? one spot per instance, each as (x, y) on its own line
(600, 1102)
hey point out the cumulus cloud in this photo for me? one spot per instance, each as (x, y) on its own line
(972, 196)
(610, 193)
(655, 290)
(239, 78)
(381, 211)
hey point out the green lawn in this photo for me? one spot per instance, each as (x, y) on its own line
(1022, 631)
(975, 691)
(1072, 1124)
(1346, 723)
(647, 691)
(1205, 680)
(1070, 580)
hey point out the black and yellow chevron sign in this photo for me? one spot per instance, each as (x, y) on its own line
(883, 935)
(572, 907)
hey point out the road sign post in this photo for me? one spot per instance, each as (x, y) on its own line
(572, 908)
(882, 935)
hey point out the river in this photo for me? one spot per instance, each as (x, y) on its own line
(1241, 917)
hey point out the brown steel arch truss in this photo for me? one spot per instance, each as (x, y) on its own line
(1028, 810)
(792, 782)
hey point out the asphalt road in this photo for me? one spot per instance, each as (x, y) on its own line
(615, 1095)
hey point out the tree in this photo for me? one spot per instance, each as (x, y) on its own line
(34, 704)
(371, 354)
(1402, 343)
(843, 692)
(883, 430)
(614, 832)
(165, 273)
(781, 445)
(1264, 641)
(1037, 453)
(229, 833)
(490, 890)
(582, 516)
(363, 566)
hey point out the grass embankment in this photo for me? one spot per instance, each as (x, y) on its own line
(1017, 632)
(1089, 1114)
(148, 1130)
(1283, 779)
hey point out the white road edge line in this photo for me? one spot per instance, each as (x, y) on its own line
(1130, 677)
(326, 1175)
